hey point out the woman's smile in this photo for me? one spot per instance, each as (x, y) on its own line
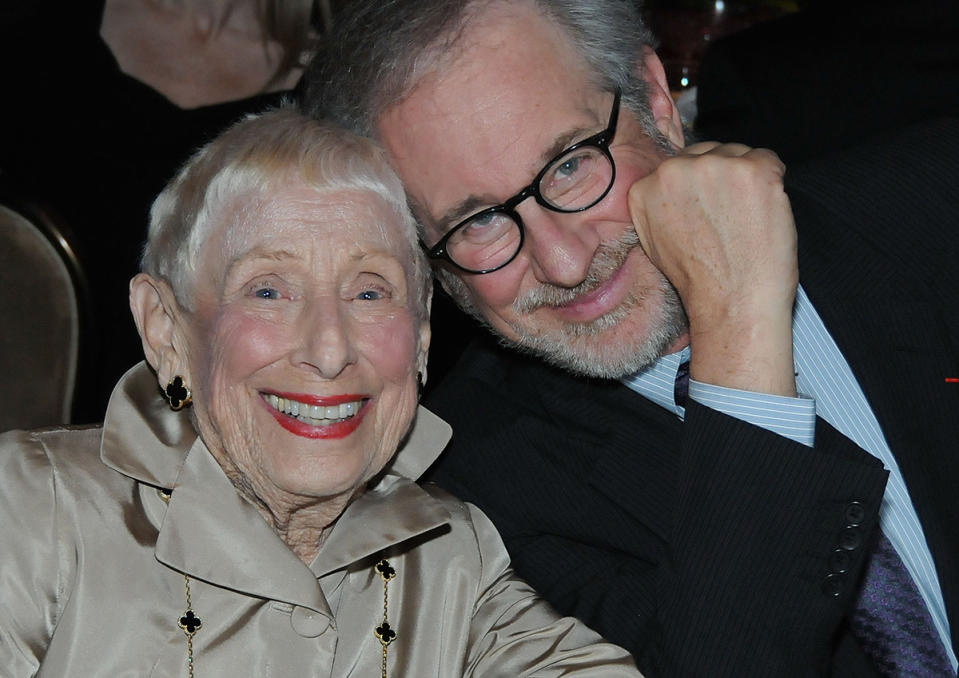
(313, 416)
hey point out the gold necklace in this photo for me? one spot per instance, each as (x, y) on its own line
(383, 632)
(190, 623)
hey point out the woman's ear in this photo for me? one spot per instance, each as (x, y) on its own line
(425, 335)
(665, 113)
(156, 314)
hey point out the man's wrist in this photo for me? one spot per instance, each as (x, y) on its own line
(791, 417)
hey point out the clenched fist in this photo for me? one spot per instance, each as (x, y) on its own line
(716, 221)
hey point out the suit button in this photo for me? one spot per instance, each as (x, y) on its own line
(839, 561)
(832, 585)
(855, 513)
(308, 623)
(850, 538)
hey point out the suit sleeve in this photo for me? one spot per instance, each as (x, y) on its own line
(751, 583)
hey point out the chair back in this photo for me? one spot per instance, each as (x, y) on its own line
(40, 320)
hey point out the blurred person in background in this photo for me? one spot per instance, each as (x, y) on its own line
(103, 101)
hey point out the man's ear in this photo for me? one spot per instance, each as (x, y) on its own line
(665, 113)
(157, 316)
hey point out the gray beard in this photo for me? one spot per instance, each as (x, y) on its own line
(577, 347)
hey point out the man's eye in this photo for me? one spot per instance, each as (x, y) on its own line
(483, 228)
(483, 220)
(568, 167)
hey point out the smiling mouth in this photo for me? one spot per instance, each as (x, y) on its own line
(604, 271)
(314, 415)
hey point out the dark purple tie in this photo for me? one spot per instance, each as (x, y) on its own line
(681, 386)
(892, 623)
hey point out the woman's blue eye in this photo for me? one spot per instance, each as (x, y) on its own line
(369, 295)
(266, 293)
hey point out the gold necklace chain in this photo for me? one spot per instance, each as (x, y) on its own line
(383, 632)
(190, 623)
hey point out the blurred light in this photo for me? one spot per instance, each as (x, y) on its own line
(684, 81)
(720, 5)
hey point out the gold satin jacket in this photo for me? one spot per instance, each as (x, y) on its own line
(93, 558)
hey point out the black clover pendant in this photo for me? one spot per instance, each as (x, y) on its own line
(385, 570)
(190, 623)
(178, 394)
(385, 633)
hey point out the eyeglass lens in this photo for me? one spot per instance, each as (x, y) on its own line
(574, 181)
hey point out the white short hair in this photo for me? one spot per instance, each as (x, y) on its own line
(257, 155)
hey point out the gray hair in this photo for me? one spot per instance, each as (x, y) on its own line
(259, 155)
(381, 49)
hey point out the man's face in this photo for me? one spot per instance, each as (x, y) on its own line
(581, 292)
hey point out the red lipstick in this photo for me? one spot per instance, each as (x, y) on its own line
(338, 430)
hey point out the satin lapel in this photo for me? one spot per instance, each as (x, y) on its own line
(396, 511)
(893, 335)
(212, 534)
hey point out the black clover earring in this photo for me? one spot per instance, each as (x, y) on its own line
(177, 394)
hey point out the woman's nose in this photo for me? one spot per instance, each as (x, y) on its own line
(560, 247)
(325, 344)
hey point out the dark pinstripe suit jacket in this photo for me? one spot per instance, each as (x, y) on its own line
(704, 546)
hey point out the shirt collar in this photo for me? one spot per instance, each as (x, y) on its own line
(207, 530)
(657, 381)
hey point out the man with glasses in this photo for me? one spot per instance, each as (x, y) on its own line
(573, 181)
(660, 475)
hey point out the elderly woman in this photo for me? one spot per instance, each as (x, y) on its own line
(260, 521)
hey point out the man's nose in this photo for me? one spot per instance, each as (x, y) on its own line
(560, 246)
(325, 344)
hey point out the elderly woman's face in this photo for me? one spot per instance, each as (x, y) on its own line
(305, 341)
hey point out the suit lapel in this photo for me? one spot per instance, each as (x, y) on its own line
(629, 444)
(638, 467)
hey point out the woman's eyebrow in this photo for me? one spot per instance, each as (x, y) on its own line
(258, 254)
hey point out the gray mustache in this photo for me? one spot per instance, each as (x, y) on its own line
(609, 257)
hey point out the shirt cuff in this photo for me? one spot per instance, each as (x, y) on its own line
(793, 418)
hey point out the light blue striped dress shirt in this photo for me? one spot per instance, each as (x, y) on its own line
(827, 388)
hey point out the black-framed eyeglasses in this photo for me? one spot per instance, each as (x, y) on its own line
(573, 181)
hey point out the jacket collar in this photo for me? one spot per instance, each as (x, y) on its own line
(211, 533)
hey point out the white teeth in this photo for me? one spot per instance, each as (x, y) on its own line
(315, 415)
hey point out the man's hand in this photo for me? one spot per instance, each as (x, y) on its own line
(716, 221)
